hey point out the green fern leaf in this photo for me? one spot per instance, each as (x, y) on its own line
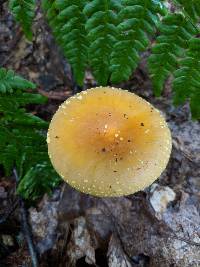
(138, 20)
(102, 32)
(23, 137)
(32, 188)
(67, 21)
(24, 12)
(186, 84)
(9, 82)
(175, 31)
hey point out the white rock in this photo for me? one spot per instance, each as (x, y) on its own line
(160, 197)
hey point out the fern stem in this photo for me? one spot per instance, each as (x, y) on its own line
(26, 228)
(75, 87)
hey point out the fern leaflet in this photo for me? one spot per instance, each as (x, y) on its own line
(186, 84)
(10, 81)
(67, 21)
(138, 20)
(175, 31)
(23, 137)
(190, 8)
(102, 33)
(24, 12)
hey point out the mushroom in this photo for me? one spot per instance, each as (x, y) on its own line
(108, 142)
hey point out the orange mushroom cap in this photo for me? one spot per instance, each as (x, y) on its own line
(108, 142)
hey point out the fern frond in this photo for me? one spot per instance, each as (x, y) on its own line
(138, 20)
(175, 31)
(23, 135)
(24, 12)
(186, 84)
(102, 33)
(67, 21)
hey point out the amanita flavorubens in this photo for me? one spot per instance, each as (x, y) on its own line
(108, 142)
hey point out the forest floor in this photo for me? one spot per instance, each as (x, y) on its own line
(159, 227)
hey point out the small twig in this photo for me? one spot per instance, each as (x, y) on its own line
(55, 95)
(186, 240)
(178, 146)
(26, 228)
(165, 229)
(165, 232)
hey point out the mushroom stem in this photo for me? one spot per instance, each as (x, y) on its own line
(26, 228)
